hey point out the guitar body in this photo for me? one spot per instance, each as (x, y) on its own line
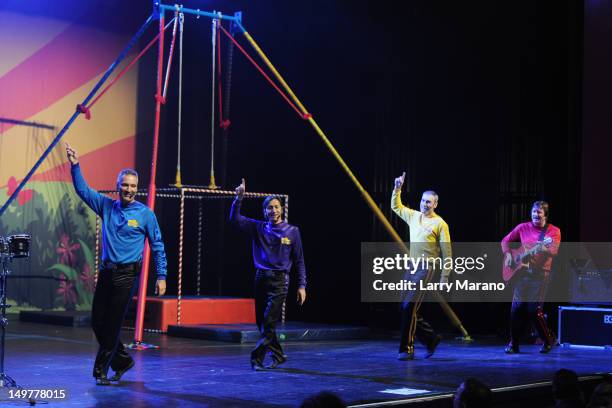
(509, 271)
(521, 257)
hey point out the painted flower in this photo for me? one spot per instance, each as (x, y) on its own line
(66, 250)
(66, 291)
(24, 195)
(88, 278)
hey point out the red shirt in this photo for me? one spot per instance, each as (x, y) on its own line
(528, 235)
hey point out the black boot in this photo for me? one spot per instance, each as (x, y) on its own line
(512, 348)
(102, 380)
(546, 347)
(276, 362)
(431, 347)
(119, 373)
(406, 354)
(256, 365)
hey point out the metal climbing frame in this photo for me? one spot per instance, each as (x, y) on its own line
(159, 10)
(304, 114)
(199, 193)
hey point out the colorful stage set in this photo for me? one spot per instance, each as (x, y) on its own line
(63, 80)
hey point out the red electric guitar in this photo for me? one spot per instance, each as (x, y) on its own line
(521, 256)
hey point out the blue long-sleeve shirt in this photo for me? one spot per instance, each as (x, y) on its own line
(275, 246)
(123, 228)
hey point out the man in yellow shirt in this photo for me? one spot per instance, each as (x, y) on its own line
(429, 239)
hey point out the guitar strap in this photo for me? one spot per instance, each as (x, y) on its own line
(546, 276)
(543, 232)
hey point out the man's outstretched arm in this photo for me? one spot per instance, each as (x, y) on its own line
(91, 197)
(235, 217)
(396, 199)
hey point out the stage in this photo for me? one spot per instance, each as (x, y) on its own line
(191, 372)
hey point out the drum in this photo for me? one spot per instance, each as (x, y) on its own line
(19, 245)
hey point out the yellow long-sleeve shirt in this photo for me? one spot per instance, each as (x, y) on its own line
(429, 236)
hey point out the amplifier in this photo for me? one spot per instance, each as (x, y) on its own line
(585, 326)
(591, 286)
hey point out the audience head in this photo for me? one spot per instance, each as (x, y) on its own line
(323, 399)
(565, 385)
(602, 395)
(473, 394)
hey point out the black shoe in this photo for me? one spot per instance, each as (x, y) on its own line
(431, 347)
(119, 373)
(407, 354)
(546, 347)
(256, 365)
(276, 362)
(102, 380)
(512, 348)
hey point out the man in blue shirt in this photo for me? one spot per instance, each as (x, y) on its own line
(125, 225)
(277, 246)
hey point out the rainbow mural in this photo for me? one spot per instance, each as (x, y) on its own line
(45, 71)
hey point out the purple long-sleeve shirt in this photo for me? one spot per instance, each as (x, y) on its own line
(275, 246)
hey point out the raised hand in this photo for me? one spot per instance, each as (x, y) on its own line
(71, 154)
(240, 190)
(400, 181)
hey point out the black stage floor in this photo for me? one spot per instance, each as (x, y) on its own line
(248, 333)
(188, 372)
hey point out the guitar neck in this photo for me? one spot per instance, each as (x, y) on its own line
(537, 248)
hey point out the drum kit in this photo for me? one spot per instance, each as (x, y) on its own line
(11, 247)
(15, 246)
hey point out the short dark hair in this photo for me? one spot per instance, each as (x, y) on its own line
(324, 399)
(602, 395)
(270, 198)
(541, 205)
(475, 394)
(565, 384)
(123, 173)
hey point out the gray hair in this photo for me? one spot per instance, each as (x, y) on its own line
(125, 172)
(432, 193)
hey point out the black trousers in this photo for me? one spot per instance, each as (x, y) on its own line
(270, 294)
(412, 322)
(527, 300)
(111, 298)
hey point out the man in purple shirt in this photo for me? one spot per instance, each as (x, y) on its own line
(277, 246)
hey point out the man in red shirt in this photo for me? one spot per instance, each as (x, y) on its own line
(531, 282)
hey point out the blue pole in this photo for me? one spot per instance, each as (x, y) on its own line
(196, 12)
(76, 114)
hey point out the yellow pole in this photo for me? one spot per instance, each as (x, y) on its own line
(366, 196)
(178, 182)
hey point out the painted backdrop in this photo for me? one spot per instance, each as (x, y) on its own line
(48, 65)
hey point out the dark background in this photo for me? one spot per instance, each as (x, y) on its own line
(482, 101)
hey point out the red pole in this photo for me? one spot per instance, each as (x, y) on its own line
(142, 289)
